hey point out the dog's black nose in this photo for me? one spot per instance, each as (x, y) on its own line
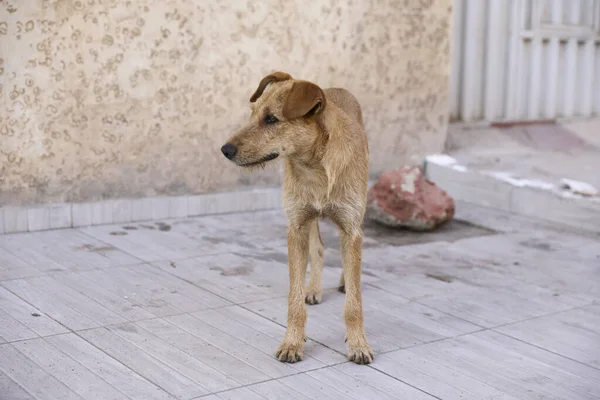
(229, 150)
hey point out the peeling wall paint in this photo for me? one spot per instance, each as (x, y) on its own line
(110, 99)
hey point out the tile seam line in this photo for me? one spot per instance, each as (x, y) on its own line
(425, 305)
(229, 352)
(250, 327)
(269, 380)
(546, 350)
(16, 382)
(285, 326)
(121, 363)
(83, 366)
(515, 322)
(45, 370)
(52, 295)
(155, 357)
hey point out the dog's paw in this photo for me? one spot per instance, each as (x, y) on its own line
(360, 354)
(290, 352)
(313, 296)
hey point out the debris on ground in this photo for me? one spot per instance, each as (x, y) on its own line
(578, 187)
(405, 198)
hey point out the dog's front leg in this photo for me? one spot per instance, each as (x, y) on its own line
(292, 347)
(359, 350)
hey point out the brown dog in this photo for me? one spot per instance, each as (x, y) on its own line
(320, 134)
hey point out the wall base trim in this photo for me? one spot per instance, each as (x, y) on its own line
(32, 218)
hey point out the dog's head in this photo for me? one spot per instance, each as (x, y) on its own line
(283, 121)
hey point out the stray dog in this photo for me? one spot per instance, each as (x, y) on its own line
(321, 137)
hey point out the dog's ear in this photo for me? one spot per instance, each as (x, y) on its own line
(274, 77)
(303, 98)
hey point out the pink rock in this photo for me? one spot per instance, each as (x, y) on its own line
(404, 198)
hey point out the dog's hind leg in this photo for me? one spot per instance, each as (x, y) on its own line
(314, 289)
(342, 284)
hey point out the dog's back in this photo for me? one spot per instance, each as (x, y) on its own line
(346, 102)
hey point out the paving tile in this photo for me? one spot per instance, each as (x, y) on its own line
(19, 247)
(241, 393)
(128, 381)
(487, 364)
(264, 335)
(166, 240)
(12, 266)
(491, 308)
(434, 378)
(199, 371)
(273, 390)
(234, 346)
(149, 367)
(11, 389)
(195, 308)
(67, 370)
(549, 206)
(349, 386)
(108, 293)
(574, 334)
(315, 389)
(31, 377)
(233, 277)
(27, 315)
(384, 383)
(326, 329)
(141, 291)
(141, 246)
(545, 137)
(12, 330)
(196, 345)
(69, 250)
(66, 307)
(391, 322)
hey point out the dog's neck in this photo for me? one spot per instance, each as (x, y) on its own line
(336, 145)
(312, 156)
(307, 165)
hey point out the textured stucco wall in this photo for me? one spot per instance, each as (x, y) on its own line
(116, 98)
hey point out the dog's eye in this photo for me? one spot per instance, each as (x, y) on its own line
(269, 119)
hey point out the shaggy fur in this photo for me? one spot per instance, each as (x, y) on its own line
(321, 137)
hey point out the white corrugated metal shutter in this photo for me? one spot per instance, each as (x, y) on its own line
(525, 59)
